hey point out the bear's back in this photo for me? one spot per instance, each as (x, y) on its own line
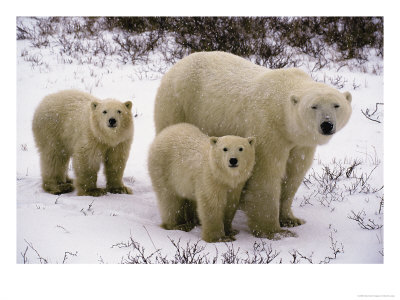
(183, 143)
(177, 157)
(63, 115)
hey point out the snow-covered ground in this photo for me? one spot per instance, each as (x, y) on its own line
(72, 229)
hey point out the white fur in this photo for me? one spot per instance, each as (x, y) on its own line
(187, 165)
(75, 124)
(223, 94)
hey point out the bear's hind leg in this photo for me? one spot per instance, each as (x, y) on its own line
(190, 217)
(54, 166)
(172, 210)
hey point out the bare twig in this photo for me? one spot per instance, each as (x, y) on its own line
(360, 219)
(41, 259)
(66, 253)
(335, 250)
(370, 115)
(25, 258)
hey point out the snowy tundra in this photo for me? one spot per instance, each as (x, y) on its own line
(341, 196)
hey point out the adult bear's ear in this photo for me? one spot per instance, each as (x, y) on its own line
(294, 99)
(252, 140)
(348, 96)
(213, 140)
(128, 105)
(94, 105)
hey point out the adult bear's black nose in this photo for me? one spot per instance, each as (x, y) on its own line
(112, 122)
(326, 128)
(233, 162)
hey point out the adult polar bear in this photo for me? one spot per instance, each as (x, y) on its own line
(288, 113)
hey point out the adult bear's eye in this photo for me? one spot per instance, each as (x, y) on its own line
(225, 149)
(314, 107)
(104, 111)
(118, 111)
(240, 149)
(336, 106)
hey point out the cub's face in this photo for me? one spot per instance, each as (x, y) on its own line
(233, 155)
(321, 114)
(112, 120)
(112, 114)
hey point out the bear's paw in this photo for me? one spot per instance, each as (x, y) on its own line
(291, 222)
(119, 190)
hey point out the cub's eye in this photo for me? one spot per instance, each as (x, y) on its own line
(225, 149)
(336, 106)
(104, 111)
(118, 111)
(314, 107)
(240, 149)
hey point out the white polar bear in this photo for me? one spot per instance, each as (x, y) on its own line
(75, 124)
(190, 169)
(288, 112)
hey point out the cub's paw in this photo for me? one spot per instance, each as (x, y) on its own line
(276, 235)
(184, 227)
(222, 239)
(226, 239)
(231, 232)
(58, 189)
(291, 222)
(119, 190)
(96, 192)
(283, 234)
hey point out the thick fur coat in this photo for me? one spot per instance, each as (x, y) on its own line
(196, 175)
(288, 112)
(75, 124)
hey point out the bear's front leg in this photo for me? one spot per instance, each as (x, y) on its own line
(211, 209)
(86, 165)
(261, 201)
(114, 165)
(231, 208)
(300, 160)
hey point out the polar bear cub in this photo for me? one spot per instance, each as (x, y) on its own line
(75, 124)
(196, 175)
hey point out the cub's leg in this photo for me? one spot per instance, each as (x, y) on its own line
(172, 210)
(230, 210)
(54, 168)
(86, 164)
(190, 214)
(114, 165)
(211, 210)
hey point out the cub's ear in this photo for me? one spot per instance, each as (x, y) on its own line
(348, 96)
(128, 104)
(94, 105)
(213, 140)
(294, 99)
(252, 140)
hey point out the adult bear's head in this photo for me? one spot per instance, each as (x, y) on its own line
(318, 112)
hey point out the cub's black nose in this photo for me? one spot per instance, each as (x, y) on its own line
(326, 128)
(112, 122)
(233, 161)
